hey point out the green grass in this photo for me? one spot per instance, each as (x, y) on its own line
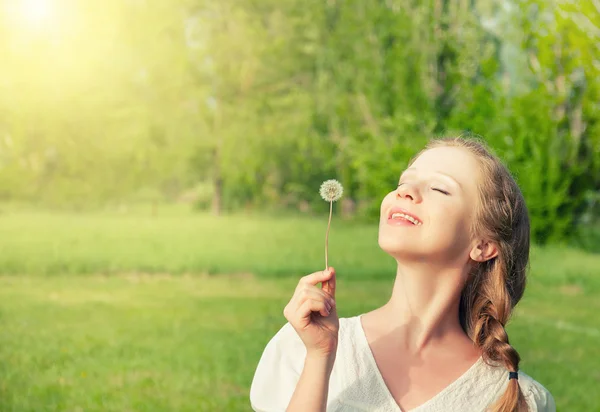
(161, 336)
(176, 243)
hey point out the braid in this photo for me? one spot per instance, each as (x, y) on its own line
(491, 310)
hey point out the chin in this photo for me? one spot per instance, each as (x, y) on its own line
(415, 248)
(400, 248)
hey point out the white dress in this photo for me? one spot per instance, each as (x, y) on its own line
(357, 385)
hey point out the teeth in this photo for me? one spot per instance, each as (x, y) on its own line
(406, 217)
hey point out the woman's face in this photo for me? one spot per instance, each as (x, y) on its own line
(439, 191)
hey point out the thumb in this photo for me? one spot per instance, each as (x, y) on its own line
(329, 284)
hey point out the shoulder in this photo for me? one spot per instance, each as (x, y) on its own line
(538, 398)
(279, 369)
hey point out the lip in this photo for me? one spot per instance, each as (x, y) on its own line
(396, 209)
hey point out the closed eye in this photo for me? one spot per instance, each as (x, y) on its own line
(433, 188)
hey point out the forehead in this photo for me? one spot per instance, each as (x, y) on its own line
(454, 161)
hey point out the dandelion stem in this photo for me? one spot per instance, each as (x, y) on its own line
(327, 234)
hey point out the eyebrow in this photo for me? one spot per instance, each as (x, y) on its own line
(447, 176)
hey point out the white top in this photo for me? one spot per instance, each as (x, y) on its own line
(356, 383)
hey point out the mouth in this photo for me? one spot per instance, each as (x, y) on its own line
(398, 215)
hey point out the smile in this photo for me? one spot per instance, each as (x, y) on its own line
(399, 215)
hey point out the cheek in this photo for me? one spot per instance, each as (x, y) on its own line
(451, 223)
(386, 202)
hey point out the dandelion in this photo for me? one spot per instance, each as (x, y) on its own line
(331, 190)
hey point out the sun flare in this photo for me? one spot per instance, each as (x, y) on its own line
(32, 12)
(37, 11)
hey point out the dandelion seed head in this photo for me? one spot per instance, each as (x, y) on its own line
(331, 190)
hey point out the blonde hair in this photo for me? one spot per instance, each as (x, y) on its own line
(495, 286)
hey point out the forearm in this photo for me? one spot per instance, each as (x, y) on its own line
(312, 388)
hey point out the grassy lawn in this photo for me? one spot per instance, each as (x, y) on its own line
(148, 329)
(177, 242)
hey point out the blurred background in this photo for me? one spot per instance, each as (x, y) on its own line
(160, 164)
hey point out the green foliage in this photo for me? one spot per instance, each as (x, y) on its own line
(265, 100)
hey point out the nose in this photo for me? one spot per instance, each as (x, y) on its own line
(408, 191)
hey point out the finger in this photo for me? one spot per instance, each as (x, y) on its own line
(316, 277)
(329, 285)
(311, 306)
(313, 292)
(328, 270)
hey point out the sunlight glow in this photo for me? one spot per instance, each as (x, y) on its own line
(35, 12)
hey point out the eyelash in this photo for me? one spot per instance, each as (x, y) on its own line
(433, 188)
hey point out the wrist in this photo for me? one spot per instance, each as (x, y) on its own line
(320, 359)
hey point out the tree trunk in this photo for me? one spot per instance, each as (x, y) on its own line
(217, 200)
(444, 59)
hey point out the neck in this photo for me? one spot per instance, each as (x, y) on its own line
(423, 308)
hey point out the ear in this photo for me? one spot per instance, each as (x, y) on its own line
(483, 251)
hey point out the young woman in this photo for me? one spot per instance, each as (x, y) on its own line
(458, 228)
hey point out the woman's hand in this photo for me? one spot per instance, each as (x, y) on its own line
(312, 313)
